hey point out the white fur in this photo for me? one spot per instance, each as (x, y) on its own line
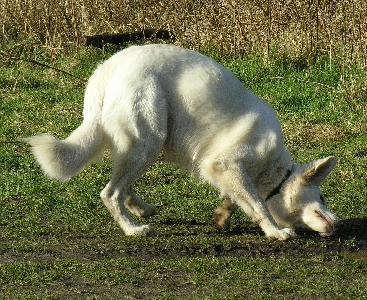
(148, 98)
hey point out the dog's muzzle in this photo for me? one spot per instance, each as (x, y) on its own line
(337, 227)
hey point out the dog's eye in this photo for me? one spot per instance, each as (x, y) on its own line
(322, 199)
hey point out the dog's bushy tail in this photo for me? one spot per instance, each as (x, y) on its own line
(62, 159)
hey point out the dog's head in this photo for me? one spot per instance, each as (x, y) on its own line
(301, 204)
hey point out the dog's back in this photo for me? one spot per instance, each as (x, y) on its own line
(198, 106)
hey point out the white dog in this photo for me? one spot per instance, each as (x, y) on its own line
(148, 98)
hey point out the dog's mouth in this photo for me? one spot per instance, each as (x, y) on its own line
(326, 234)
(331, 230)
(333, 227)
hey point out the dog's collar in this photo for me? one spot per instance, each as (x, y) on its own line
(277, 189)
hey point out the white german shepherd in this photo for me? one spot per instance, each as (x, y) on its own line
(148, 98)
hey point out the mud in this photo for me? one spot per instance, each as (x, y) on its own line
(172, 241)
(351, 239)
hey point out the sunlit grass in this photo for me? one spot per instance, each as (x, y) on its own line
(58, 240)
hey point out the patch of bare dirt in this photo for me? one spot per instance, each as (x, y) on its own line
(173, 241)
(351, 239)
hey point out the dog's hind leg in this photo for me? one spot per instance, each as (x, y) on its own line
(137, 206)
(136, 126)
(118, 193)
(114, 198)
(132, 156)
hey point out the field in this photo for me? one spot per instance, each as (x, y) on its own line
(58, 241)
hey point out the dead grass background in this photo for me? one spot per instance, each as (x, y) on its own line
(299, 28)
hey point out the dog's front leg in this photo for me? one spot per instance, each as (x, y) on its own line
(222, 214)
(232, 180)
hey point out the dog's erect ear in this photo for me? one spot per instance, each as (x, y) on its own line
(316, 171)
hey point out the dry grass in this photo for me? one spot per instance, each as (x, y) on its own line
(300, 28)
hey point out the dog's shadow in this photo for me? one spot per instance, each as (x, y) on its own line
(352, 237)
(246, 238)
(354, 230)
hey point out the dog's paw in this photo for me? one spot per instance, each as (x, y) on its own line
(283, 234)
(145, 211)
(221, 222)
(149, 210)
(141, 230)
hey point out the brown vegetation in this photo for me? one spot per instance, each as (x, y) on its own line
(299, 28)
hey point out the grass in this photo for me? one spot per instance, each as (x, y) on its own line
(58, 241)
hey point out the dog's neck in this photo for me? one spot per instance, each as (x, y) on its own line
(276, 191)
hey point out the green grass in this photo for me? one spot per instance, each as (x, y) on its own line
(58, 241)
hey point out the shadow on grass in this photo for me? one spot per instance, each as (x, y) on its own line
(178, 238)
(248, 239)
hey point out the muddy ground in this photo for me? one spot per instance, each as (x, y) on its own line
(172, 241)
